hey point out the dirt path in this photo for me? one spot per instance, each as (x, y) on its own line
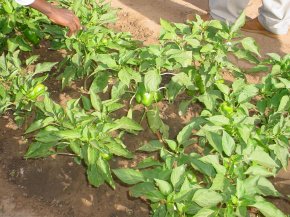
(57, 187)
(145, 15)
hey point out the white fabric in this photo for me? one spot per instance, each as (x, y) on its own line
(274, 14)
(25, 2)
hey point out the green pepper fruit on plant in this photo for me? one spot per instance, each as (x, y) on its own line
(37, 91)
(31, 36)
(147, 98)
(106, 156)
(227, 109)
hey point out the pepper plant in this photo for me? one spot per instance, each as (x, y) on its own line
(87, 131)
(21, 85)
(217, 166)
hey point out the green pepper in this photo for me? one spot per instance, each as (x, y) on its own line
(31, 36)
(38, 90)
(7, 6)
(106, 156)
(147, 98)
(140, 91)
(227, 109)
(104, 41)
(220, 81)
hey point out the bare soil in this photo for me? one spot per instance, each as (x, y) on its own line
(57, 187)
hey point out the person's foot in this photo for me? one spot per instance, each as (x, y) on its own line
(256, 27)
(204, 17)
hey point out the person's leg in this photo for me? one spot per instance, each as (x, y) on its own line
(227, 10)
(275, 16)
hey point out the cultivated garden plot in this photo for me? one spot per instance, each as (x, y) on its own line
(159, 121)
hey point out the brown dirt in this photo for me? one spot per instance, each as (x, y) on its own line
(58, 187)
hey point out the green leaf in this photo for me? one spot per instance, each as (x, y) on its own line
(127, 124)
(274, 56)
(259, 171)
(156, 173)
(117, 149)
(245, 132)
(239, 23)
(152, 80)
(155, 122)
(208, 48)
(207, 198)
(247, 93)
(218, 182)
(282, 154)
(184, 58)
(96, 101)
(204, 212)
(284, 104)
(100, 82)
(31, 59)
(215, 140)
(268, 209)
(147, 190)
(148, 162)
(228, 144)
(105, 61)
(266, 188)
(177, 175)
(249, 44)
(172, 144)
(263, 158)
(243, 54)
(182, 79)
(215, 24)
(219, 120)
(184, 135)
(44, 67)
(204, 168)
(67, 76)
(92, 155)
(214, 161)
(164, 187)
(194, 43)
(47, 135)
(39, 124)
(223, 88)
(39, 149)
(167, 25)
(94, 176)
(68, 134)
(183, 107)
(86, 103)
(160, 211)
(118, 90)
(129, 176)
(3, 64)
(153, 145)
(104, 169)
(127, 74)
(208, 99)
